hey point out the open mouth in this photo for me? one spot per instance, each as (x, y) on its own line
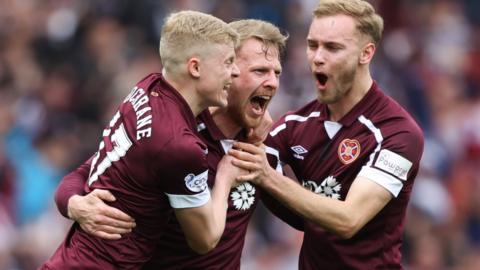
(322, 78)
(259, 103)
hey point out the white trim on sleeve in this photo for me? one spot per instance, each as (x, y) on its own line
(189, 201)
(390, 183)
(274, 152)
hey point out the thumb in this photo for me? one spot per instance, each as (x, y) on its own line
(104, 195)
(250, 133)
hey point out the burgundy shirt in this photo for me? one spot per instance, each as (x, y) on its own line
(378, 140)
(173, 251)
(151, 159)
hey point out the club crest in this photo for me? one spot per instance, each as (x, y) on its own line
(348, 151)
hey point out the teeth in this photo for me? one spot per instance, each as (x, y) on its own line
(266, 98)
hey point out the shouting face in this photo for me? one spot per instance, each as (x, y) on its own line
(334, 48)
(257, 83)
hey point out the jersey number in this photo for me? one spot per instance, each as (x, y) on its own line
(120, 144)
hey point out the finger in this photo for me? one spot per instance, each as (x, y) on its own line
(241, 155)
(246, 177)
(112, 230)
(107, 236)
(104, 195)
(249, 166)
(250, 148)
(250, 134)
(116, 214)
(120, 224)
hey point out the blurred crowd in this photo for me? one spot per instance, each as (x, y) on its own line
(66, 64)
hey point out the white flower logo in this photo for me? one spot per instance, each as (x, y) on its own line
(328, 188)
(243, 196)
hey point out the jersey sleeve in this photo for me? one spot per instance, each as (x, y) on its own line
(71, 184)
(186, 178)
(396, 161)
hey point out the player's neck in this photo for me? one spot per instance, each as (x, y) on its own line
(186, 90)
(359, 89)
(227, 126)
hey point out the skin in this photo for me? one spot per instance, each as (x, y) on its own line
(259, 75)
(207, 82)
(338, 49)
(207, 79)
(204, 82)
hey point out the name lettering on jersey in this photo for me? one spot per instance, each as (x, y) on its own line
(393, 163)
(243, 196)
(138, 98)
(328, 188)
(348, 151)
(196, 183)
(298, 151)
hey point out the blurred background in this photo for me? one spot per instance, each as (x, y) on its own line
(66, 64)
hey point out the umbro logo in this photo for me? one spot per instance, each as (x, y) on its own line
(298, 151)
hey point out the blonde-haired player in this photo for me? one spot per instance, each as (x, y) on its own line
(151, 157)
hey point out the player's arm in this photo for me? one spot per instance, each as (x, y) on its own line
(203, 226)
(345, 218)
(89, 210)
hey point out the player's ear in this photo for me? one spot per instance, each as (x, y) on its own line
(367, 53)
(193, 67)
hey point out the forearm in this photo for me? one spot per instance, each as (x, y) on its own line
(333, 215)
(72, 184)
(219, 206)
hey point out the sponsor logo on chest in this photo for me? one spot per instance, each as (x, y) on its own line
(348, 151)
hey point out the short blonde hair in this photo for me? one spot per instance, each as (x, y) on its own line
(368, 21)
(264, 31)
(190, 33)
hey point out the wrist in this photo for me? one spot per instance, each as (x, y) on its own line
(270, 178)
(70, 206)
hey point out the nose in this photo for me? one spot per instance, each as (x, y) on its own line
(272, 81)
(235, 71)
(319, 57)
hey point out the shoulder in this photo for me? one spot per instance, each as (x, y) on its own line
(186, 148)
(394, 120)
(302, 116)
(150, 80)
(395, 129)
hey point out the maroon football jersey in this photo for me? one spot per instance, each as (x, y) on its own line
(378, 140)
(151, 159)
(173, 251)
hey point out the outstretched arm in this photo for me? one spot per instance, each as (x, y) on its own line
(345, 218)
(90, 211)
